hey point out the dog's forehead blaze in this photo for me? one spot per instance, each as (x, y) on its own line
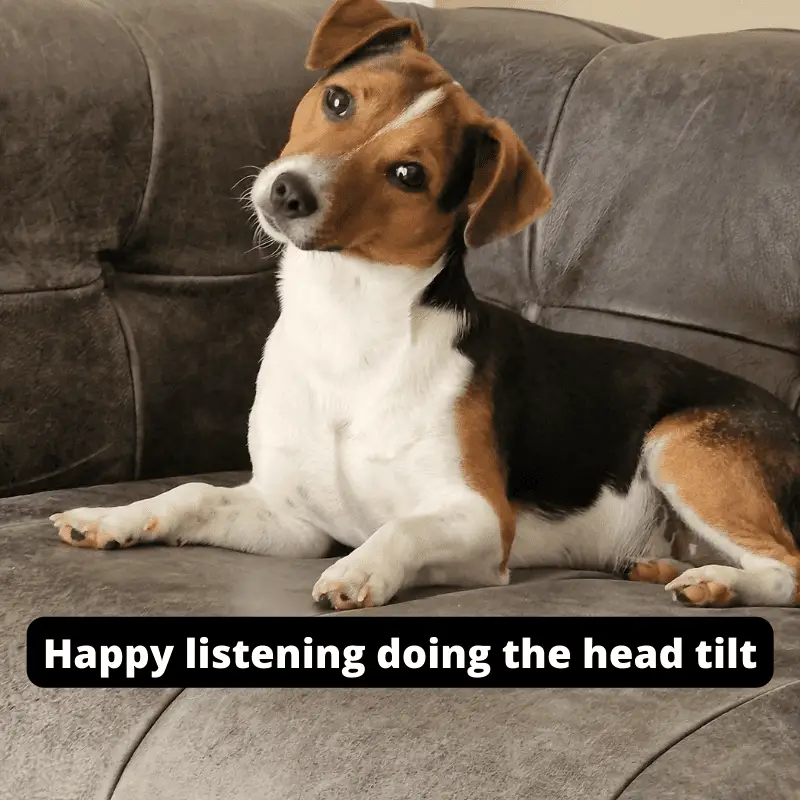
(370, 218)
(383, 89)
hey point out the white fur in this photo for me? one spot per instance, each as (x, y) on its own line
(318, 172)
(355, 393)
(418, 107)
(421, 105)
(763, 586)
(617, 529)
(352, 437)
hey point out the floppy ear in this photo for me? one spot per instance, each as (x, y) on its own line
(508, 192)
(350, 25)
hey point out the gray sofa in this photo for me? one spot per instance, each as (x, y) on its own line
(132, 313)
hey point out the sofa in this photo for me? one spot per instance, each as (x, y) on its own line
(133, 308)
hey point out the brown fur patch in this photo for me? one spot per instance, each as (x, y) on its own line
(480, 461)
(720, 478)
(655, 571)
(350, 24)
(516, 193)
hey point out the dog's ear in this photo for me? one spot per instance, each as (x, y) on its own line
(508, 191)
(351, 25)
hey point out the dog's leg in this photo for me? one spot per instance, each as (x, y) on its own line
(716, 485)
(457, 546)
(655, 570)
(237, 518)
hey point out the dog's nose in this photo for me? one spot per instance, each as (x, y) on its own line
(292, 196)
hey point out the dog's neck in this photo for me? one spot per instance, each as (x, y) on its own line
(349, 310)
(358, 287)
(350, 285)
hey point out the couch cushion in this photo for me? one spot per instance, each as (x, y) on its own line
(288, 743)
(675, 183)
(69, 743)
(717, 761)
(548, 743)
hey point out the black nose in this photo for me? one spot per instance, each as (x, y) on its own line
(292, 196)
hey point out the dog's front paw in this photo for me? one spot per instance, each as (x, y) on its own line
(354, 583)
(710, 585)
(105, 528)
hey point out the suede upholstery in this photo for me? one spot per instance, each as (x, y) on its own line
(133, 310)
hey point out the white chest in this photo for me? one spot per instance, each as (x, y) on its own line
(353, 417)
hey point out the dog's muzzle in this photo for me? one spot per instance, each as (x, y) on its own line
(289, 197)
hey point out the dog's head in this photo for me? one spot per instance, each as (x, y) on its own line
(387, 153)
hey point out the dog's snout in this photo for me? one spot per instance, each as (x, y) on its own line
(292, 196)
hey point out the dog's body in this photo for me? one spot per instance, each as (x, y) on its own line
(444, 439)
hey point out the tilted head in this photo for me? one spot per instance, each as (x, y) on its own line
(387, 154)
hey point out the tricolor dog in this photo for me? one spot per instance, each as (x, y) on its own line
(444, 439)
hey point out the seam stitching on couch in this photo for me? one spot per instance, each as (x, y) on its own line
(706, 721)
(692, 326)
(127, 331)
(47, 476)
(533, 245)
(135, 370)
(152, 278)
(585, 23)
(108, 793)
(45, 289)
(155, 145)
(596, 28)
(141, 277)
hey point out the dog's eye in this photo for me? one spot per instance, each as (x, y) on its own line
(338, 103)
(409, 176)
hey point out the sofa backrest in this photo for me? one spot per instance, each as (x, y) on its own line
(133, 310)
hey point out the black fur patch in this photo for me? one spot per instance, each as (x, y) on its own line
(450, 289)
(384, 44)
(571, 412)
(456, 187)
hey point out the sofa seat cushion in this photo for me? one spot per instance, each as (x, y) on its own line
(78, 739)
(449, 744)
(132, 744)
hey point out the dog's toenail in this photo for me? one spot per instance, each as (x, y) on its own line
(112, 545)
(76, 536)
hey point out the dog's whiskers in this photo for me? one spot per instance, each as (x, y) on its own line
(245, 178)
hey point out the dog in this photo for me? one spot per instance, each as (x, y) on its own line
(444, 439)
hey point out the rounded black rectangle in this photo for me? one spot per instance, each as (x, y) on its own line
(339, 651)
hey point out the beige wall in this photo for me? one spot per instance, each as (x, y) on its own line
(664, 17)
